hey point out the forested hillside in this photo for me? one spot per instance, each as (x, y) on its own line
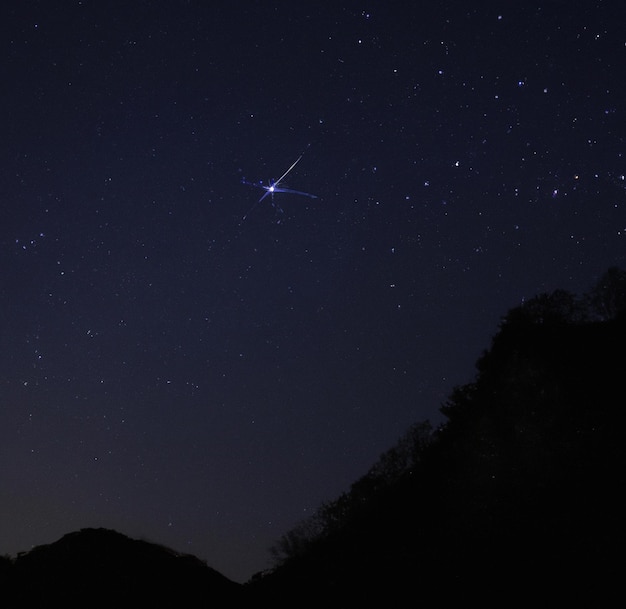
(518, 494)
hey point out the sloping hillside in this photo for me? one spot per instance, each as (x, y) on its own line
(519, 495)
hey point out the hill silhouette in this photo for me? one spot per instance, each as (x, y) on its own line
(517, 498)
(103, 568)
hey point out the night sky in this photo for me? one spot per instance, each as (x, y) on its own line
(177, 373)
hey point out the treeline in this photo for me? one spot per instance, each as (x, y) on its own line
(332, 516)
(521, 487)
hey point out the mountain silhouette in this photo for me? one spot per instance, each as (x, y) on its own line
(104, 568)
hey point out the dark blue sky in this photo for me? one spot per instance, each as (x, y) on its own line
(176, 373)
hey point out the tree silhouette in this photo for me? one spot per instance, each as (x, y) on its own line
(607, 299)
(332, 516)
